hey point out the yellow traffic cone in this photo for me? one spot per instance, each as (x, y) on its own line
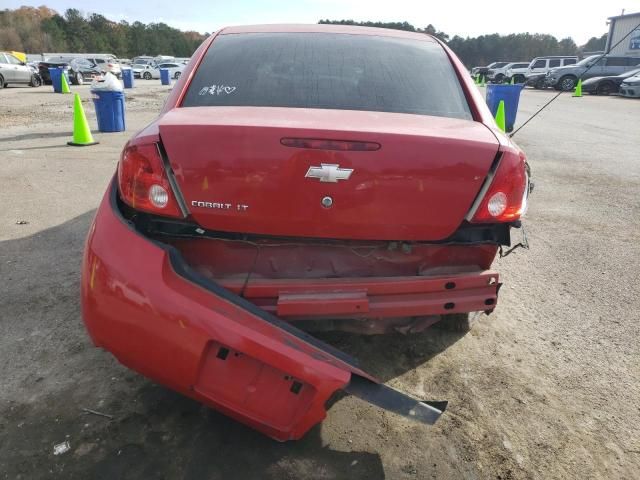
(65, 84)
(500, 120)
(81, 132)
(578, 90)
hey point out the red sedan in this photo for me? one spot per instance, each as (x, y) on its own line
(300, 178)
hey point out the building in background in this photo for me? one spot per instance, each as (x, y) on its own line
(619, 27)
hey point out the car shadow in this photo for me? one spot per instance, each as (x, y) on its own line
(154, 432)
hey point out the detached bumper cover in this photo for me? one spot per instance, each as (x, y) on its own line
(144, 304)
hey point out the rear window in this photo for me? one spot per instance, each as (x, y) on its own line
(318, 70)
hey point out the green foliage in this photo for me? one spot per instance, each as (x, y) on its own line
(38, 30)
(595, 44)
(482, 50)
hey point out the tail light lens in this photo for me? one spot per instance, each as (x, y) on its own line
(143, 181)
(506, 198)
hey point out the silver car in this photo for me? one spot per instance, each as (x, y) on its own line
(566, 78)
(631, 87)
(15, 71)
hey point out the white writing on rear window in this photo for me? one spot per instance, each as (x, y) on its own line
(217, 90)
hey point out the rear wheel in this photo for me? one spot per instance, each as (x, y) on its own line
(498, 78)
(518, 78)
(2, 84)
(456, 322)
(146, 75)
(540, 84)
(176, 75)
(79, 78)
(605, 88)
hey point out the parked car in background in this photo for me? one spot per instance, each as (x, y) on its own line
(258, 204)
(139, 66)
(630, 87)
(565, 78)
(536, 81)
(153, 71)
(107, 64)
(175, 69)
(517, 72)
(607, 85)
(80, 70)
(541, 65)
(142, 60)
(15, 71)
(485, 70)
(499, 74)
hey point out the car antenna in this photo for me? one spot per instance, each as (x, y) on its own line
(561, 91)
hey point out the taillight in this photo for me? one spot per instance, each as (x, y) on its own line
(143, 181)
(506, 198)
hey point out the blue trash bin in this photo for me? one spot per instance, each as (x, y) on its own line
(165, 79)
(127, 77)
(109, 110)
(511, 96)
(56, 78)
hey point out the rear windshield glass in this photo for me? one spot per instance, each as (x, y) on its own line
(335, 71)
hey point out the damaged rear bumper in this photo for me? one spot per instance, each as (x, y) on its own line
(158, 316)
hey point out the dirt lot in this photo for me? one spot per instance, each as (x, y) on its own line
(547, 387)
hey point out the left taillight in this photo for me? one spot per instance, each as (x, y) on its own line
(143, 181)
(507, 196)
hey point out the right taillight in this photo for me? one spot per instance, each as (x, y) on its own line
(506, 198)
(143, 181)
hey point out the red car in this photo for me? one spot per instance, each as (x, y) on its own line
(300, 178)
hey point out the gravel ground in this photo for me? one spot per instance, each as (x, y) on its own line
(546, 387)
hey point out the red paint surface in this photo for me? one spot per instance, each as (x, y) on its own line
(418, 186)
(159, 324)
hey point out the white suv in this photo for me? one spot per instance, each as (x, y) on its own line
(544, 64)
(498, 75)
(517, 72)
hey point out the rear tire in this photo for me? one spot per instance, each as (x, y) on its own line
(605, 88)
(519, 78)
(456, 322)
(539, 85)
(146, 75)
(176, 75)
(2, 84)
(79, 79)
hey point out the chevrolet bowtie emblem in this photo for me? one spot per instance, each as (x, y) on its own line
(328, 172)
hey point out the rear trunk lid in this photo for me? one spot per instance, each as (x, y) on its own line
(236, 175)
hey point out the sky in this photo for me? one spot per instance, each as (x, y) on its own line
(580, 20)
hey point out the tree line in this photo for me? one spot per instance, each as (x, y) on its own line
(482, 50)
(41, 29)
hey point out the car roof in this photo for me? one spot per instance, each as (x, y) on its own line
(323, 28)
(556, 56)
